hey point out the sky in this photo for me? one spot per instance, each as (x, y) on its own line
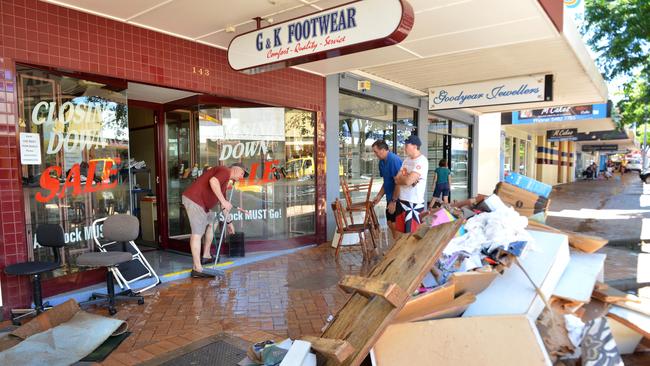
(576, 9)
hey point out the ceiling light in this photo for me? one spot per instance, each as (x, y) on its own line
(270, 20)
(230, 29)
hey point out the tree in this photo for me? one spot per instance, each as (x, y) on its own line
(619, 32)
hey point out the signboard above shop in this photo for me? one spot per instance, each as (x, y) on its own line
(564, 134)
(521, 89)
(354, 27)
(591, 148)
(561, 114)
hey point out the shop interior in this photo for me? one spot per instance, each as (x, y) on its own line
(110, 146)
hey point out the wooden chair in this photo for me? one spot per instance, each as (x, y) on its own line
(366, 206)
(342, 228)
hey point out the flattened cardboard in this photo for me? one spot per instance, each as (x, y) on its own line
(485, 341)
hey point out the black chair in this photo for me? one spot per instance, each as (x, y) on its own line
(47, 235)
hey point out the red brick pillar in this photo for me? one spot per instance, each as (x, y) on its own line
(16, 291)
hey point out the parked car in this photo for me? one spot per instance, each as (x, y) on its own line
(634, 164)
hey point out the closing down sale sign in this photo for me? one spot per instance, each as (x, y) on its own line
(353, 27)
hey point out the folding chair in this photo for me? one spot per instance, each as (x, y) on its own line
(120, 231)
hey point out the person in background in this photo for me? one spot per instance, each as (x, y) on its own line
(198, 199)
(594, 170)
(412, 185)
(442, 183)
(389, 166)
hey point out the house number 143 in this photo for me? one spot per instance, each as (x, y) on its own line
(200, 71)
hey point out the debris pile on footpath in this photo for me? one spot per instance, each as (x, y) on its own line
(483, 281)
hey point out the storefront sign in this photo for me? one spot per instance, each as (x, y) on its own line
(74, 128)
(591, 148)
(350, 28)
(603, 135)
(523, 89)
(30, 148)
(565, 134)
(560, 114)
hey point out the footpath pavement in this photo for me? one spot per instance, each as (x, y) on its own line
(617, 209)
(614, 209)
(293, 295)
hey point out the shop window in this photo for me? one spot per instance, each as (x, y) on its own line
(80, 173)
(460, 129)
(406, 116)
(275, 144)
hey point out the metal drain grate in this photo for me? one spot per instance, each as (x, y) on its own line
(215, 353)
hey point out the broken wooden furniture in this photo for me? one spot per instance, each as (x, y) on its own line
(377, 299)
(342, 228)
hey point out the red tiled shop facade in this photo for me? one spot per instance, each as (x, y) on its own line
(40, 34)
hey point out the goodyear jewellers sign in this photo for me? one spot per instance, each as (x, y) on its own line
(522, 89)
(353, 27)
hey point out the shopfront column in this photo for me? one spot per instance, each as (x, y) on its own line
(561, 162)
(570, 166)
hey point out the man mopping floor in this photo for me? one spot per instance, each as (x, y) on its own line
(201, 196)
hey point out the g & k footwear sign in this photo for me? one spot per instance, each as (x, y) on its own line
(353, 27)
(522, 89)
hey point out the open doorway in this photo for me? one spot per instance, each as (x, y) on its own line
(143, 171)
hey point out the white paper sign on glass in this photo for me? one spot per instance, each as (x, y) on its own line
(30, 148)
(521, 89)
(353, 27)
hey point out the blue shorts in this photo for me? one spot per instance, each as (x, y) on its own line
(442, 190)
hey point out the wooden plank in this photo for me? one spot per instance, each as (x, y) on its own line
(421, 304)
(611, 295)
(486, 341)
(362, 320)
(584, 243)
(374, 287)
(640, 305)
(334, 349)
(579, 278)
(448, 310)
(474, 282)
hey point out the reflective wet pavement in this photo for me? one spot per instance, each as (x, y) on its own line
(285, 296)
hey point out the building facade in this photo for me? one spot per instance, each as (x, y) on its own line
(99, 96)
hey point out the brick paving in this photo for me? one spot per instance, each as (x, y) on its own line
(287, 296)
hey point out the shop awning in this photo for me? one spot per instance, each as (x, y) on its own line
(452, 41)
